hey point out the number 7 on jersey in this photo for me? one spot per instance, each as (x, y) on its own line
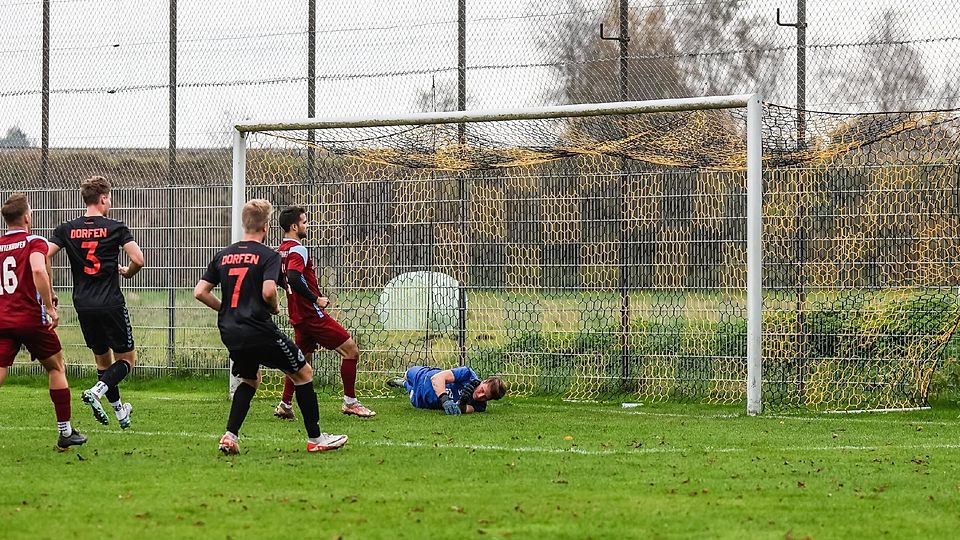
(240, 273)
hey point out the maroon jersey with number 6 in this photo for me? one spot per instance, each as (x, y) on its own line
(20, 305)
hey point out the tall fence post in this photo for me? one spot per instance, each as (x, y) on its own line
(171, 180)
(462, 179)
(624, 40)
(311, 85)
(45, 98)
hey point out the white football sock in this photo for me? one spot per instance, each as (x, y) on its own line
(65, 428)
(350, 401)
(99, 389)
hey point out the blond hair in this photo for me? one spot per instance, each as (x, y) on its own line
(256, 215)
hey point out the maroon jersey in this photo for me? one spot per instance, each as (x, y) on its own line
(293, 256)
(20, 304)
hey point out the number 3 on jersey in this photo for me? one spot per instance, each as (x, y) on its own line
(91, 248)
(240, 273)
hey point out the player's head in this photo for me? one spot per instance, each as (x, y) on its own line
(256, 216)
(492, 388)
(293, 219)
(96, 192)
(16, 211)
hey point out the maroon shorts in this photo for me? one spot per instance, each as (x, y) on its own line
(325, 332)
(41, 341)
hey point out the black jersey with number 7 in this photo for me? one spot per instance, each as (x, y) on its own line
(240, 270)
(93, 245)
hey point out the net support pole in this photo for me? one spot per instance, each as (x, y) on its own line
(238, 192)
(754, 256)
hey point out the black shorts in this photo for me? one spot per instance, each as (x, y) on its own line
(282, 354)
(107, 329)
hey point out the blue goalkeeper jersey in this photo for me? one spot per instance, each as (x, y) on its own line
(422, 394)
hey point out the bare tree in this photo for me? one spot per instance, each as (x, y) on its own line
(15, 138)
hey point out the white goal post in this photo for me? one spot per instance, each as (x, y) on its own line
(754, 185)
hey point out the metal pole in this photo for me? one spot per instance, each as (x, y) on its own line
(461, 64)
(623, 238)
(171, 180)
(801, 72)
(45, 98)
(238, 192)
(624, 44)
(311, 85)
(802, 210)
(461, 138)
(754, 257)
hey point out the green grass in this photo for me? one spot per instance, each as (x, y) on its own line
(664, 471)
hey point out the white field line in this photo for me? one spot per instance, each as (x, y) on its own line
(520, 449)
(880, 418)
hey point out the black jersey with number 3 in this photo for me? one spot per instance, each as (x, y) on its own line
(240, 270)
(93, 244)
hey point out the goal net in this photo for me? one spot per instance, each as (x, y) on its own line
(606, 251)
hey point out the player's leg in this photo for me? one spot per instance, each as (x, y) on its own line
(291, 361)
(302, 338)
(60, 396)
(349, 356)
(247, 368)
(119, 338)
(9, 347)
(92, 328)
(331, 335)
(44, 345)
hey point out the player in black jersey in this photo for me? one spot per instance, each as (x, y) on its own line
(247, 273)
(93, 243)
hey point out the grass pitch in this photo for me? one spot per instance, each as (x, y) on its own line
(526, 469)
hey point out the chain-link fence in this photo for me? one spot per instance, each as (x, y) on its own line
(146, 93)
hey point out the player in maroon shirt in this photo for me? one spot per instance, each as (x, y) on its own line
(28, 314)
(312, 325)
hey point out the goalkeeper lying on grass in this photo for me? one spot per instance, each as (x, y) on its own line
(455, 391)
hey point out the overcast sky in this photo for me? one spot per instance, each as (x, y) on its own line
(246, 59)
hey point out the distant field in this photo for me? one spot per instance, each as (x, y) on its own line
(529, 468)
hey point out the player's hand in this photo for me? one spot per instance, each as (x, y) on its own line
(56, 301)
(53, 317)
(275, 309)
(449, 406)
(323, 302)
(123, 271)
(467, 393)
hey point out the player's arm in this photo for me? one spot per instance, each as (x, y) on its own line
(51, 248)
(202, 292)
(298, 285)
(38, 266)
(270, 296)
(132, 249)
(439, 383)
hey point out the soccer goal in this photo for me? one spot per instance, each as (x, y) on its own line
(686, 249)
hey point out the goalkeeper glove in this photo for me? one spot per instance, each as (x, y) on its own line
(449, 406)
(467, 393)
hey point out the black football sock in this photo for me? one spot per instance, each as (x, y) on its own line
(113, 392)
(241, 405)
(307, 401)
(114, 374)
